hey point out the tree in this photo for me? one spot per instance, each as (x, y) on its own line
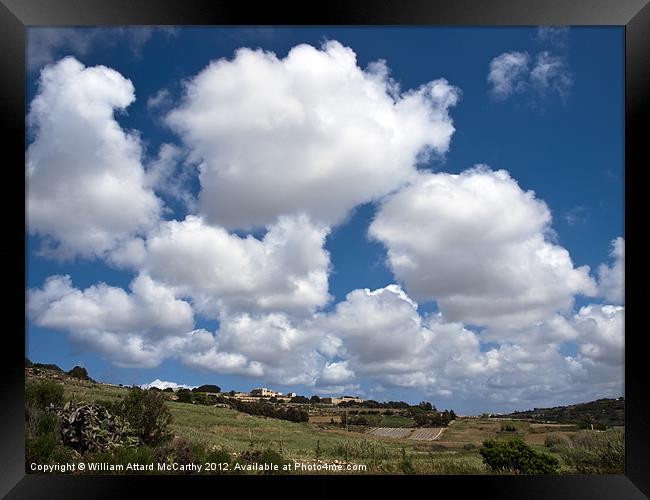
(516, 456)
(207, 388)
(315, 399)
(425, 405)
(80, 372)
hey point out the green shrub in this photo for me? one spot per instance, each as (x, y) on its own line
(508, 427)
(184, 396)
(469, 446)
(43, 393)
(148, 415)
(516, 456)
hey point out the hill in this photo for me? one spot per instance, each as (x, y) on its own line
(602, 413)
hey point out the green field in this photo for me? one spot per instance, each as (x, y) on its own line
(232, 432)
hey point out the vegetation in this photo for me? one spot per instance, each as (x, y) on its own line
(596, 452)
(43, 394)
(80, 373)
(517, 457)
(91, 427)
(207, 388)
(147, 413)
(290, 413)
(108, 431)
(601, 413)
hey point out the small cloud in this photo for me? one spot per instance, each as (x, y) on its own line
(161, 100)
(554, 35)
(510, 74)
(575, 215)
(551, 73)
(45, 44)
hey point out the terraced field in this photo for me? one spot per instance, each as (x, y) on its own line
(417, 434)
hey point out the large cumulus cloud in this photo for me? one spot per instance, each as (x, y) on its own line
(312, 132)
(85, 180)
(480, 246)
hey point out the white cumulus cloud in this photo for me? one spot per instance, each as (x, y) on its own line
(611, 279)
(85, 181)
(310, 133)
(478, 245)
(286, 270)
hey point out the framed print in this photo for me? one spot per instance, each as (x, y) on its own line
(379, 242)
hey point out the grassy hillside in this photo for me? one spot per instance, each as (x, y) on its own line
(606, 412)
(233, 434)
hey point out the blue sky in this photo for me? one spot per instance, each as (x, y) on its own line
(557, 132)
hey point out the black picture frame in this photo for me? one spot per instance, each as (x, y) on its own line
(17, 15)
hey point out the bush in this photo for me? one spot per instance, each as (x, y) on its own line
(469, 446)
(148, 415)
(44, 393)
(184, 396)
(508, 427)
(516, 456)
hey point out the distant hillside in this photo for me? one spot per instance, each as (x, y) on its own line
(606, 412)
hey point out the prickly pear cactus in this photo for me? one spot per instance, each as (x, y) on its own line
(90, 427)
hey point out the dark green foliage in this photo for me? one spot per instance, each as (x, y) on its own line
(148, 415)
(469, 446)
(426, 406)
(606, 412)
(291, 413)
(44, 393)
(91, 427)
(81, 373)
(299, 399)
(207, 388)
(184, 396)
(508, 427)
(425, 418)
(516, 456)
(315, 399)
(168, 389)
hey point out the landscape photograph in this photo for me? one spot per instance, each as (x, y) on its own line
(325, 250)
